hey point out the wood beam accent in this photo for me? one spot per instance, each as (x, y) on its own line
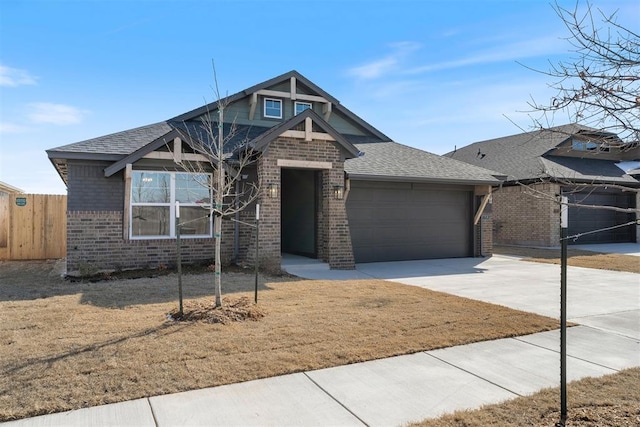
(293, 89)
(165, 155)
(308, 129)
(177, 150)
(347, 188)
(127, 201)
(299, 134)
(299, 96)
(303, 164)
(253, 103)
(483, 205)
(326, 110)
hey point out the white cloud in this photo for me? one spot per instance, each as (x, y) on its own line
(57, 114)
(380, 67)
(13, 77)
(374, 69)
(544, 46)
(7, 128)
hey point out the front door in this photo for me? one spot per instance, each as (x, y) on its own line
(299, 211)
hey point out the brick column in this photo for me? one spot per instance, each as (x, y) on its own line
(269, 243)
(338, 251)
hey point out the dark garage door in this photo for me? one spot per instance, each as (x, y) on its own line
(583, 220)
(403, 221)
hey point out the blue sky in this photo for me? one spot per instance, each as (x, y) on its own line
(429, 74)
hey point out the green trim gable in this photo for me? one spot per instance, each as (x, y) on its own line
(249, 110)
(261, 142)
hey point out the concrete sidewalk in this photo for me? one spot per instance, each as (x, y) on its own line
(402, 389)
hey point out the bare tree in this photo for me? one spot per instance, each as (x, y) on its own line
(224, 157)
(599, 84)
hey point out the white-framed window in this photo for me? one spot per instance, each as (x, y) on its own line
(301, 106)
(153, 199)
(273, 108)
(580, 145)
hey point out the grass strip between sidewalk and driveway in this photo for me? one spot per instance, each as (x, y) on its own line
(70, 345)
(575, 258)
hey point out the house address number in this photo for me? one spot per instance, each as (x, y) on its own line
(21, 201)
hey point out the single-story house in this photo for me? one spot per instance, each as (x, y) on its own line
(585, 164)
(332, 187)
(6, 189)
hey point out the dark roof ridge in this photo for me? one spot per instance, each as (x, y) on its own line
(567, 129)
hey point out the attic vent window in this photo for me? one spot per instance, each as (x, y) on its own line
(301, 106)
(273, 108)
(579, 145)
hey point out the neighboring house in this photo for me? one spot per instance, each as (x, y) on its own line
(583, 163)
(333, 187)
(6, 189)
(5, 219)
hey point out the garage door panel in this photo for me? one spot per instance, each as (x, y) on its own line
(402, 222)
(587, 220)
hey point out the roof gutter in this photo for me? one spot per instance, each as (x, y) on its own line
(362, 177)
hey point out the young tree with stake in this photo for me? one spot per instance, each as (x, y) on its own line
(227, 158)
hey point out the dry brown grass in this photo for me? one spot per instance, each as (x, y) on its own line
(610, 401)
(575, 258)
(69, 345)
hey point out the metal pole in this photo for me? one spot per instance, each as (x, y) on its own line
(257, 251)
(179, 255)
(564, 224)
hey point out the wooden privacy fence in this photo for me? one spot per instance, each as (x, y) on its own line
(33, 226)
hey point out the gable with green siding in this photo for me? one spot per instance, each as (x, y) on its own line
(341, 119)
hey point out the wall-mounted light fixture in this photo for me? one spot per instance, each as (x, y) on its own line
(338, 192)
(272, 191)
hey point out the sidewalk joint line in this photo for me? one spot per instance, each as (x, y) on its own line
(603, 314)
(572, 356)
(153, 414)
(367, 274)
(472, 373)
(335, 400)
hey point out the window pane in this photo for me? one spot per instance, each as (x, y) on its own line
(195, 221)
(192, 188)
(301, 106)
(272, 108)
(151, 187)
(150, 221)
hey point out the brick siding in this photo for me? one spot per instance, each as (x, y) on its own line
(484, 236)
(95, 242)
(88, 188)
(521, 218)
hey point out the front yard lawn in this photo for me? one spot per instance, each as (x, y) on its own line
(68, 345)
